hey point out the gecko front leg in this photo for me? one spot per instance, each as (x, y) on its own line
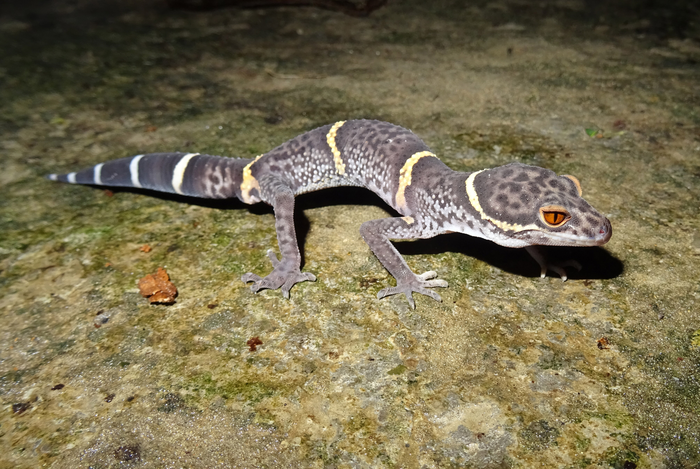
(537, 253)
(286, 272)
(377, 234)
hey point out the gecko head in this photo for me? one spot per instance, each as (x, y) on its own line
(534, 206)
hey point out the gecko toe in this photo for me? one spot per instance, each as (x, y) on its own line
(411, 301)
(250, 277)
(428, 280)
(431, 294)
(559, 268)
(384, 292)
(396, 290)
(417, 284)
(309, 276)
(427, 275)
(281, 277)
(436, 283)
(273, 258)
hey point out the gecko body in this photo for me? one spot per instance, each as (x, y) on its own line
(515, 205)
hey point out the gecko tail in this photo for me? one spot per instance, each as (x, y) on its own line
(191, 174)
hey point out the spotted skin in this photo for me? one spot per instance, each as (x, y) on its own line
(515, 205)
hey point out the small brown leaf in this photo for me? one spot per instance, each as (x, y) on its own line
(158, 288)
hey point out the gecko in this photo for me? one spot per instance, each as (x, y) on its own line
(515, 205)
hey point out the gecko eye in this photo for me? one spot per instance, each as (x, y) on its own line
(554, 216)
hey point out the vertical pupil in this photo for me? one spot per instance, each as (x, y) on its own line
(554, 218)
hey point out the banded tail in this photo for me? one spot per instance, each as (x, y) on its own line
(192, 174)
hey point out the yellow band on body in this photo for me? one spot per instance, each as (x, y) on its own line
(405, 176)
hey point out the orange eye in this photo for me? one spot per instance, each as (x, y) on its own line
(555, 216)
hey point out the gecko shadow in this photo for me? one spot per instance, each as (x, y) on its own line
(597, 263)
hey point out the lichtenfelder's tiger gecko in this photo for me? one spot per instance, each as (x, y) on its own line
(515, 205)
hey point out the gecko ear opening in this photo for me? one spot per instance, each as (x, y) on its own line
(554, 216)
(576, 181)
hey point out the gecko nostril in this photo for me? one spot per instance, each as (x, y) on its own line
(605, 231)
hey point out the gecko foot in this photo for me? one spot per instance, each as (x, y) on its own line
(283, 276)
(418, 284)
(546, 264)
